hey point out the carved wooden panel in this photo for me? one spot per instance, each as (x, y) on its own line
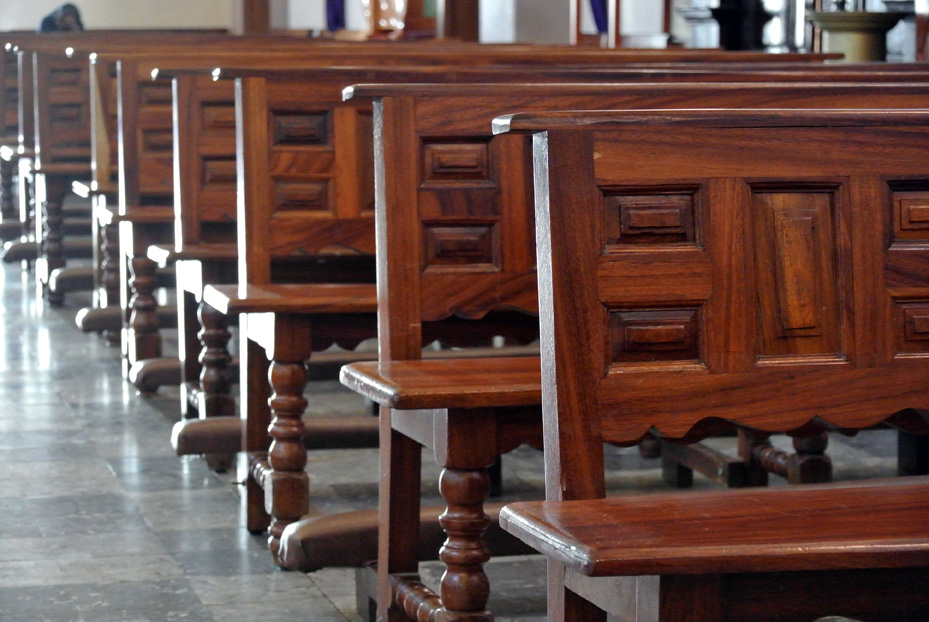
(64, 76)
(795, 272)
(65, 113)
(912, 326)
(650, 218)
(911, 214)
(218, 117)
(291, 128)
(312, 196)
(160, 141)
(155, 93)
(455, 163)
(654, 335)
(464, 246)
(218, 171)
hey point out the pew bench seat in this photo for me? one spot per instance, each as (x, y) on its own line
(489, 381)
(292, 298)
(866, 524)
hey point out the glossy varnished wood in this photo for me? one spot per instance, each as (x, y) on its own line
(421, 205)
(825, 332)
(748, 530)
(461, 383)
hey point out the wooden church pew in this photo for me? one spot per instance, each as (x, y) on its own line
(820, 334)
(142, 341)
(498, 276)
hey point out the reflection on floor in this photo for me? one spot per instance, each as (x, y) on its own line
(100, 521)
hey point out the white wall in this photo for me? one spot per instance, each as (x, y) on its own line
(306, 14)
(26, 14)
(502, 21)
(543, 21)
(498, 21)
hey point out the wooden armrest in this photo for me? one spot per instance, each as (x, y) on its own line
(293, 298)
(876, 524)
(497, 381)
(164, 255)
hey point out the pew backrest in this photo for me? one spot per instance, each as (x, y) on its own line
(783, 286)
(454, 208)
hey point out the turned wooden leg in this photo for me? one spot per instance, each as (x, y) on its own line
(51, 248)
(8, 211)
(26, 198)
(465, 446)
(752, 450)
(216, 397)
(809, 463)
(287, 494)
(144, 341)
(109, 268)
(464, 588)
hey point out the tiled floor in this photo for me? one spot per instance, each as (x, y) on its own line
(100, 521)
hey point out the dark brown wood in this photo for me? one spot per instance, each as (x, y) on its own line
(409, 112)
(589, 396)
(460, 19)
(256, 16)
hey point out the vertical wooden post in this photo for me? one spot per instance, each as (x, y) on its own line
(256, 17)
(817, 42)
(666, 18)
(458, 19)
(922, 29)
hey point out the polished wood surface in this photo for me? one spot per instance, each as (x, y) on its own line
(492, 180)
(747, 530)
(460, 383)
(826, 345)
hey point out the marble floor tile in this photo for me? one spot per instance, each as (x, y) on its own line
(54, 478)
(150, 601)
(29, 604)
(83, 547)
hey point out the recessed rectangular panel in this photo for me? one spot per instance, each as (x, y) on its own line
(157, 141)
(912, 212)
(650, 219)
(460, 245)
(797, 290)
(654, 335)
(218, 172)
(156, 93)
(912, 326)
(65, 77)
(65, 113)
(446, 162)
(218, 117)
(305, 196)
(796, 258)
(909, 210)
(300, 128)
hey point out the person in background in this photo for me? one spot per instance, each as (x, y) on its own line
(64, 18)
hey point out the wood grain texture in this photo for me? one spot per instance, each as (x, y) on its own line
(800, 528)
(799, 251)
